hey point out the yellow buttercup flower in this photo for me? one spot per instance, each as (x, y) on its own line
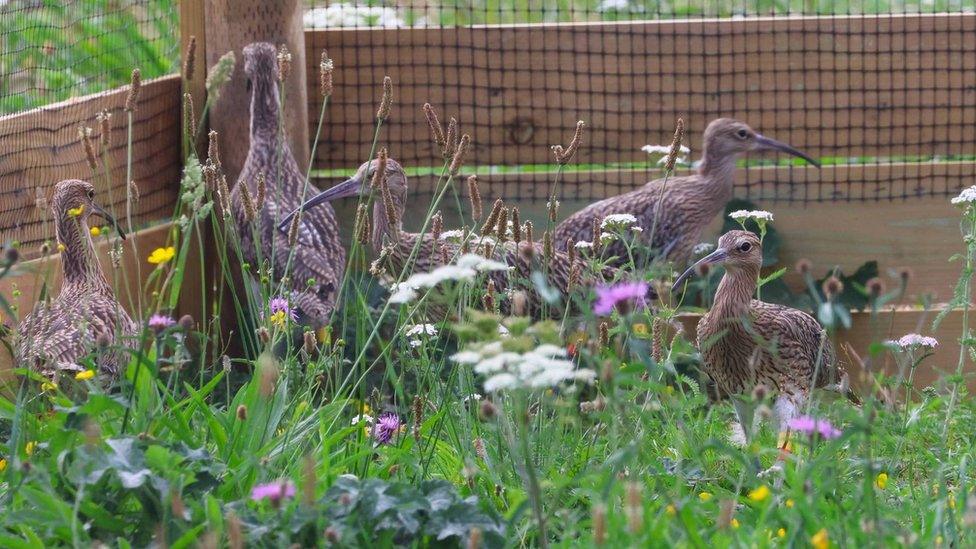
(48, 386)
(95, 231)
(735, 524)
(671, 510)
(3, 465)
(30, 447)
(781, 532)
(789, 503)
(952, 501)
(75, 212)
(882, 481)
(938, 539)
(704, 496)
(162, 255)
(759, 494)
(820, 540)
(278, 319)
(640, 329)
(85, 375)
(60, 247)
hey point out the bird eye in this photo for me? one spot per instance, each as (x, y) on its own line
(745, 247)
(742, 134)
(91, 195)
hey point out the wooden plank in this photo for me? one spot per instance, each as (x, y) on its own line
(835, 86)
(889, 325)
(30, 276)
(41, 147)
(193, 24)
(816, 221)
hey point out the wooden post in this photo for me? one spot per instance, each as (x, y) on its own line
(193, 23)
(231, 25)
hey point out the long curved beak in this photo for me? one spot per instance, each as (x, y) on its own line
(718, 256)
(764, 142)
(97, 210)
(349, 187)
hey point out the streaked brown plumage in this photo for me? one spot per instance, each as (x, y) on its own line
(746, 342)
(59, 333)
(318, 254)
(400, 245)
(689, 204)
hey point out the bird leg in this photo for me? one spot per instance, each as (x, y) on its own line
(785, 409)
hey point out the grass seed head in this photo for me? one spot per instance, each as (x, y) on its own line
(84, 133)
(259, 199)
(189, 116)
(563, 156)
(213, 150)
(516, 226)
(293, 229)
(326, 69)
(189, 58)
(284, 63)
(242, 412)
(363, 229)
(135, 86)
(379, 174)
(457, 162)
(553, 209)
(501, 227)
(436, 226)
(219, 74)
(547, 249)
(679, 133)
(496, 211)
(451, 140)
(604, 334)
(418, 416)
(488, 410)
(308, 341)
(474, 538)
(248, 203)
(520, 303)
(436, 129)
(104, 119)
(474, 195)
(386, 101)
(599, 524)
(527, 229)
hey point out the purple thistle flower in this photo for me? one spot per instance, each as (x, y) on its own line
(273, 491)
(620, 295)
(387, 425)
(811, 426)
(157, 323)
(280, 304)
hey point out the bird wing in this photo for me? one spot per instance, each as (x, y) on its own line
(799, 341)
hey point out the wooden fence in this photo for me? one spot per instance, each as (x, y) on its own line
(878, 89)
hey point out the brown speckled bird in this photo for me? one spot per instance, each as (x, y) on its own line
(745, 342)
(85, 315)
(401, 244)
(318, 254)
(689, 204)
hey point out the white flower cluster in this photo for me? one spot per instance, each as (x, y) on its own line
(619, 221)
(418, 332)
(583, 245)
(966, 197)
(454, 235)
(703, 248)
(910, 341)
(466, 268)
(665, 150)
(344, 14)
(545, 366)
(757, 215)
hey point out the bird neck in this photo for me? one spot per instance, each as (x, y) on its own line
(383, 230)
(78, 261)
(718, 169)
(735, 291)
(265, 110)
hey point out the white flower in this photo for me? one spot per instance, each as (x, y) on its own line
(422, 329)
(703, 248)
(757, 215)
(618, 221)
(607, 238)
(680, 160)
(967, 196)
(665, 150)
(637, 229)
(415, 343)
(454, 235)
(344, 14)
(467, 267)
(910, 341)
(363, 418)
(472, 396)
(583, 245)
(503, 331)
(545, 366)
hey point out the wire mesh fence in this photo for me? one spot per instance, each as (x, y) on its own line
(855, 84)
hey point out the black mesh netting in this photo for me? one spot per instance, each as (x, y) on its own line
(883, 93)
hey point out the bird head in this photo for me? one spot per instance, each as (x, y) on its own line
(737, 250)
(357, 185)
(260, 62)
(75, 199)
(726, 137)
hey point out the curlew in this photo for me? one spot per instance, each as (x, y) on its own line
(747, 343)
(313, 259)
(389, 239)
(85, 315)
(688, 204)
